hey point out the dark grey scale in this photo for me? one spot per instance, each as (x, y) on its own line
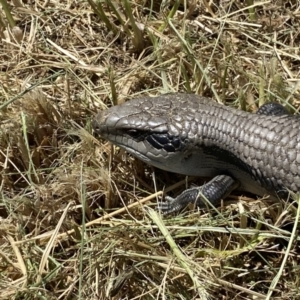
(269, 183)
(160, 141)
(226, 156)
(272, 109)
(176, 142)
(264, 181)
(164, 141)
(213, 191)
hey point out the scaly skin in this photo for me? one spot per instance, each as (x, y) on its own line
(193, 135)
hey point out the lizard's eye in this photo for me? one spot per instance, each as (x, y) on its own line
(136, 134)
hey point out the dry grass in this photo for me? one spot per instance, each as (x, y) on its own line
(75, 213)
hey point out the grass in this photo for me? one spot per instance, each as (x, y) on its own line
(77, 217)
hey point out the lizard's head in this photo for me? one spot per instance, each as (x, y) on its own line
(152, 129)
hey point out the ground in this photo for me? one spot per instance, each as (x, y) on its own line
(77, 215)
